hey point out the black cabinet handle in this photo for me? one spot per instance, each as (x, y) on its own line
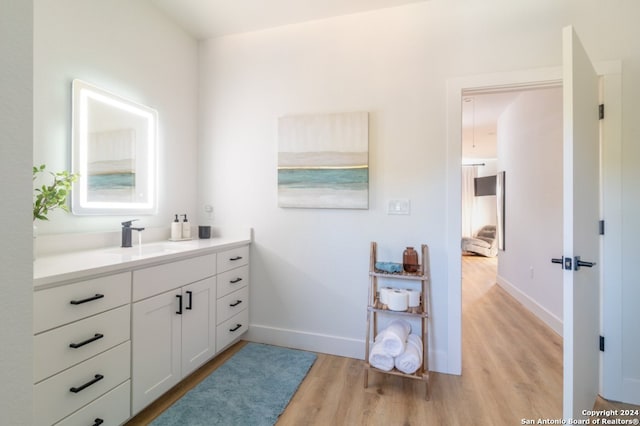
(179, 311)
(88, 299)
(97, 422)
(237, 302)
(96, 379)
(235, 258)
(237, 280)
(97, 336)
(236, 327)
(190, 306)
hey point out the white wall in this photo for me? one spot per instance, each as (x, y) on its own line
(133, 50)
(530, 152)
(309, 271)
(16, 268)
(310, 267)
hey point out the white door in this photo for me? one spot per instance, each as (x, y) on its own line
(156, 345)
(581, 287)
(198, 324)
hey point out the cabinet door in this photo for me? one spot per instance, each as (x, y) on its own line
(198, 324)
(156, 347)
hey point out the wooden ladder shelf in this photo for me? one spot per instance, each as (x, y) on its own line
(375, 308)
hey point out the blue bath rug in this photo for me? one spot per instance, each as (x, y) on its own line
(252, 388)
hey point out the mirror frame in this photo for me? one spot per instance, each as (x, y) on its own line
(145, 187)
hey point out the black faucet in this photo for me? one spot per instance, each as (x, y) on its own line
(126, 232)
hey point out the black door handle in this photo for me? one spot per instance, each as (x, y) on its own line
(179, 311)
(579, 263)
(190, 305)
(564, 261)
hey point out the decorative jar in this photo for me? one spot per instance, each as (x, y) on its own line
(410, 260)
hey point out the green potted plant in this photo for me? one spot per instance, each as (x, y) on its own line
(50, 197)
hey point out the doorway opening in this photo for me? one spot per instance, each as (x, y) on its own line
(516, 134)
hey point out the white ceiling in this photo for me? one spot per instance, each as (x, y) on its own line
(214, 18)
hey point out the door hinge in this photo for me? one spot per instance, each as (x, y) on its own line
(601, 111)
(601, 227)
(601, 343)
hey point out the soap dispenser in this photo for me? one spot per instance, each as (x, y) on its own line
(186, 228)
(176, 229)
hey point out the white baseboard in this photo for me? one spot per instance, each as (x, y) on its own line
(534, 307)
(323, 343)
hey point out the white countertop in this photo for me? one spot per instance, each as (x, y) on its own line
(73, 266)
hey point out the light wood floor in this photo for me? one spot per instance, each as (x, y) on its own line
(512, 370)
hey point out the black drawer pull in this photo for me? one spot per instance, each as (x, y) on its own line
(236, 327)
(237, 280)
(235, 258)
(97, 422)
(237, 302)
(93, 339)
(88, 299)
(96, 379)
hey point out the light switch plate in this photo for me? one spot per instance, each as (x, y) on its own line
(399, 207)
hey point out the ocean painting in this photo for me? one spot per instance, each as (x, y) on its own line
(323, 161)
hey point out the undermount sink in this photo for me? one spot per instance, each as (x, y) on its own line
(152, 249)
(143, 250)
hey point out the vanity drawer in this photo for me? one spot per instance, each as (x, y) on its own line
(111, 408)
(233, 280)
(61, 305)
(231, 329)
(52, 350)
(231, 304)
(159, 279)
(54, 399)
(233, 258)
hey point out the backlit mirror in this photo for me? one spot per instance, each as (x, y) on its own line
(114, 152)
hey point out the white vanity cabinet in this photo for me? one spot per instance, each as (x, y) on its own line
(113, 332)
(173, 324)
(82, 352)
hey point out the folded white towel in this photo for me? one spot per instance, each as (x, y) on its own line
(411, 359)
(394, 337)
(379, 358)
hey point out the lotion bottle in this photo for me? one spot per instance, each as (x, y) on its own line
(186, 228)
(176, 229)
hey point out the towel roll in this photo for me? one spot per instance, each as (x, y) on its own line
(410, 360)
(394, 337)
(379, 358)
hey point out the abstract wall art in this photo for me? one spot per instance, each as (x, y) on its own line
(323, 161)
